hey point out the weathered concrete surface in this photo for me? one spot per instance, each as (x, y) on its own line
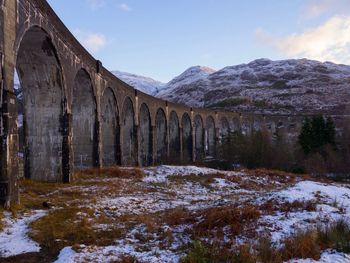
(210, 136)
(187, 140)
(129, 138)
(145, 141)
(199, 138)
(224, 126)
(41, 78)
(174, 139)
(84, 121)
(161, 135)
(8, 126)
(110, 129)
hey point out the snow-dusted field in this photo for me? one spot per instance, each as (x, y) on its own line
(156, 215)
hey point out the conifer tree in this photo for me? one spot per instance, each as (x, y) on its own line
(316, 133)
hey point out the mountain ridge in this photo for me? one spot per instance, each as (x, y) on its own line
(270, 87)
(261, 86)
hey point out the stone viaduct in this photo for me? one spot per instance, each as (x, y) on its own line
(76, 114)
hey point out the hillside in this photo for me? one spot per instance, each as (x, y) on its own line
(265, 86)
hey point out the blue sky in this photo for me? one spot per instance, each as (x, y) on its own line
(162, 38)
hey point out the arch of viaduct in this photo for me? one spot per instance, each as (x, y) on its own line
(78, 115)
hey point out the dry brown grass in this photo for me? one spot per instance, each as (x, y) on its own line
(34, 193)
(111, 172)
(71, 222)
(73, 226)
(1, 219)
(238, 219)
(302, 245)
(177, 216)
(63, 227)
(274, 205)
(277, 175)
(203, 253)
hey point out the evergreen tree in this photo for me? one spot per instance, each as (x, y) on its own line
(330, 131)
(316, 133)
(305, 136)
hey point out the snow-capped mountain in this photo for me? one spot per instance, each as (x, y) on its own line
(144, 84)
(263, 85)
(193, 74)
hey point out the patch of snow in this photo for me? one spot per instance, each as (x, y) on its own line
(223, 183)
(161, 173)
(139, 204)
(66, 255)
(333, 203)
(309, 190)
(114, 253)
(14, 239)
(328, 256)
(167, 194)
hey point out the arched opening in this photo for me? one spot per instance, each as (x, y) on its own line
(245, 126)
(187, 141)
(236, 127)
(85, 146)
(224, 127)
(145, 137)
(211, 138)
(20, 118)
(41, 79)
(110, 129)
(258, 124)
(174, 139)
(199, 137)
(129, 138)
(161, 132)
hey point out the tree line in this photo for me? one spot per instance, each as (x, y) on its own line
(319, 149)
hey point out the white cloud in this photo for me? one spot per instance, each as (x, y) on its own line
(315, 8)
(93, 42)
(124, 7)
(95, 4)
(327, 42)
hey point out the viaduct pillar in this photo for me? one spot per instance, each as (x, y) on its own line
(154, 144)
(8, 111)
(181, 145)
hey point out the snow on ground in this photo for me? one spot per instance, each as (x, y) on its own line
(327, 256)
(160, 174)
(167, 193)
(114, 253)
(308, 190)
(333, 203)
(192, 189)
(14, 239)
